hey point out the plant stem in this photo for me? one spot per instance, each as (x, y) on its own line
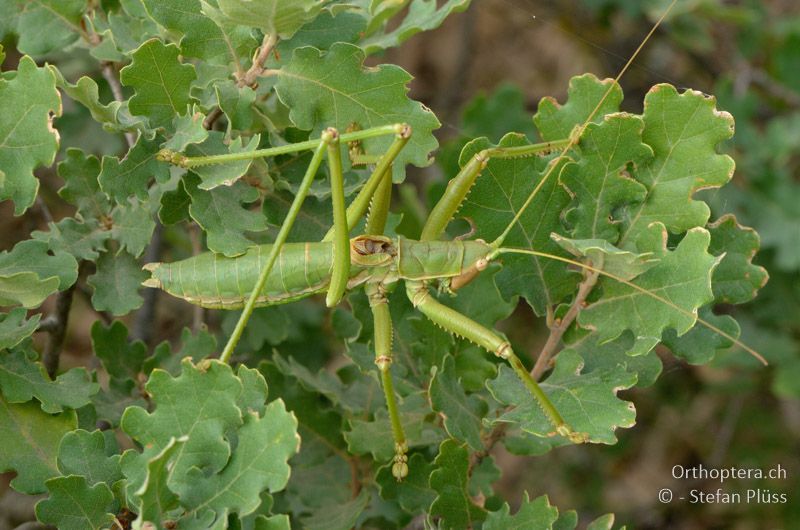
(248, 78)
(494, 436)
(212, 117)
(57, 331)
(55, 325)
(560, 327)
(257, 68)
(110, 75)
(144, 322)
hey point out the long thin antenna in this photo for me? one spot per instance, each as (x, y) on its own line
(576, 135)
(642, 290)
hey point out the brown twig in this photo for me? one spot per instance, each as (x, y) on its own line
(55, 325)
(110, 75)
(57, 331)
(559, 327)
(212, 117)
(248, 78)
(257, 68)
(145, 317)
(494, 436)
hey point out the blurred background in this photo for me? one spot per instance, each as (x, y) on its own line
(483, 73)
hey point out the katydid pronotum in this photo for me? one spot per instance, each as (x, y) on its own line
(338, 263)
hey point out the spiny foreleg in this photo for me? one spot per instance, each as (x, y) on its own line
(454, 322)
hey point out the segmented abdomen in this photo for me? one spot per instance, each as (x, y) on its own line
(214, 281)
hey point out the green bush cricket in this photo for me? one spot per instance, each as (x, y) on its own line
(283, 272)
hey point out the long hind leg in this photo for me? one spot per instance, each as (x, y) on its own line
(454, 322)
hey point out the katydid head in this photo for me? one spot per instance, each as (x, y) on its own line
(372, 250)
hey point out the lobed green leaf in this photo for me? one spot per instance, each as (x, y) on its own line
(542, 282)
(335, 89)
(462, 413)
(22, 378)
(221, 214)
(681, 279)
(75, 505)
(14, 327)
(160, 82)
(537, 513)
(28, 103)
(450, 481)
(281, 18)
(587, 401)
(116, 283)
(29, 441)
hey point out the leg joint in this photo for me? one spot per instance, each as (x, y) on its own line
(330, 135)
(503, 351)
(403, 130)
(376, 294)
(417, 293)
(383, 362)
(483, 157)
